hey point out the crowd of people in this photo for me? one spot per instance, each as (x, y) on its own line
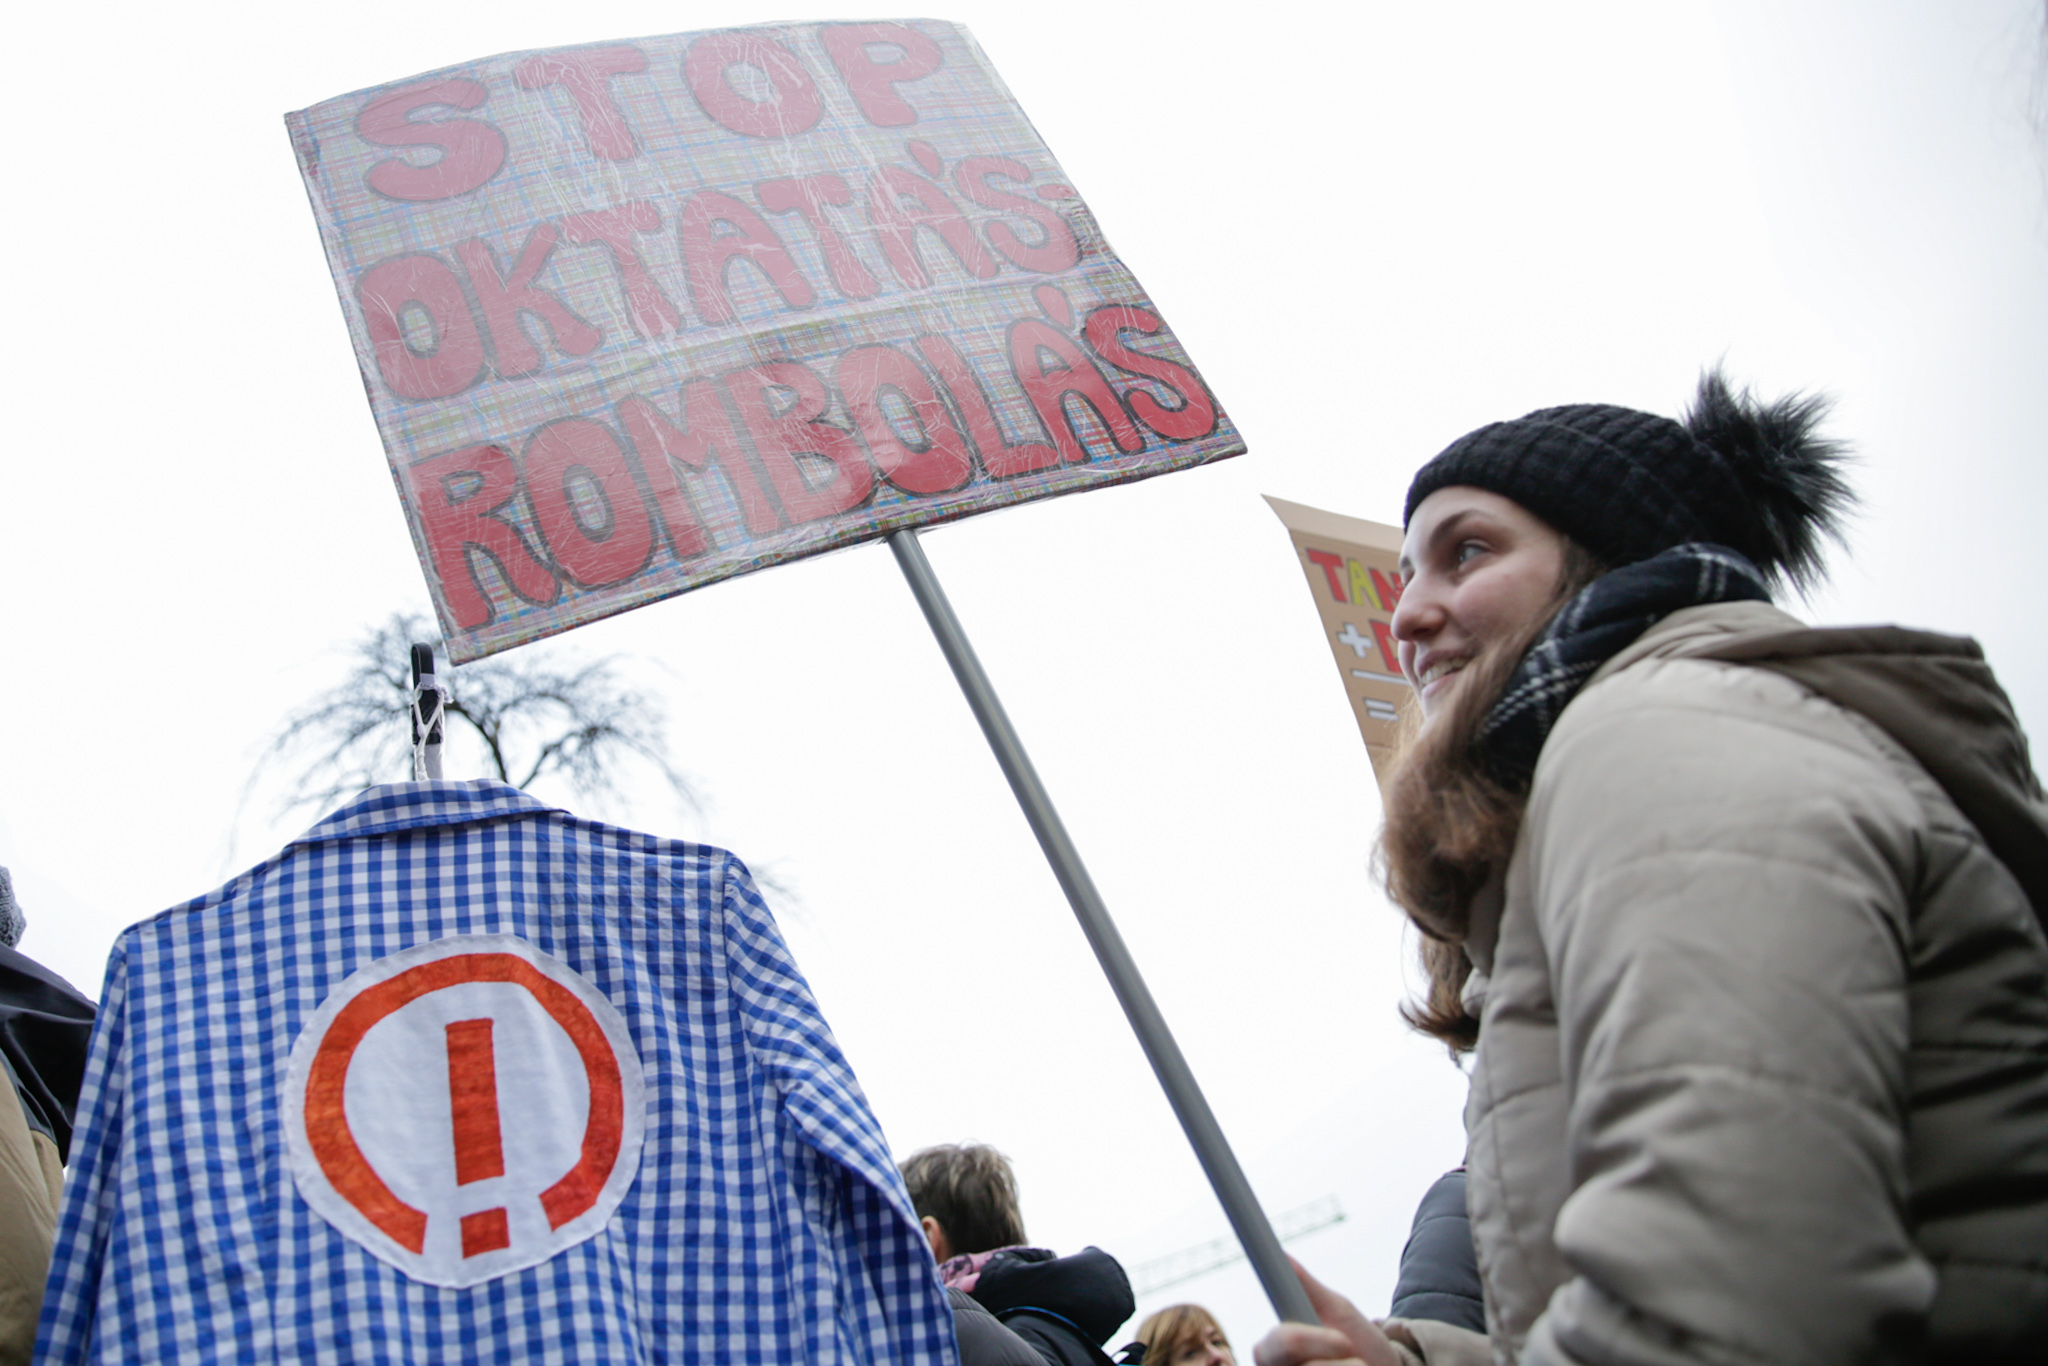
(1739, 928)
(1019, 1305)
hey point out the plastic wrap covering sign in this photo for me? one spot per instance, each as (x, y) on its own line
(639, 316)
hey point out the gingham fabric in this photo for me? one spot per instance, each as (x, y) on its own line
(767, 1222)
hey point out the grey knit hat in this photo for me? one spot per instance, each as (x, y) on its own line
(1755, 477)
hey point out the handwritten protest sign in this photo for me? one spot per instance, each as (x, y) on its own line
(640, 316)
(1353, 569)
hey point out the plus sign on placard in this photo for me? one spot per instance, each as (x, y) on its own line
(465, 1109)
(1359, 643)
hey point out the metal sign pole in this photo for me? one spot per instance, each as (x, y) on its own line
(1249, 1222)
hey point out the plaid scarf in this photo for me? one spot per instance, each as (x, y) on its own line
(1606, 617)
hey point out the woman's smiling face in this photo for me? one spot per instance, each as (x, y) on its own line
(1477, 567)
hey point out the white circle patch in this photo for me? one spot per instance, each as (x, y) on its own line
(465, 1109)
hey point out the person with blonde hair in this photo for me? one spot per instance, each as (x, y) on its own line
(1184, 1335)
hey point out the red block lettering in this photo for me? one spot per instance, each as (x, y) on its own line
(872, 82)
(472, 150)
(705, 435)
(1056, 251)
(652, 313)
(586, 74)
(586, 504)
(1069, 373)
(937, 459)
(782, 434)
(808, 195)
(1383, 636)
(1001, 459)
(896, 227)
(503, 299)
(456, 520)
(456, 359)
(707, 253)
(793, 105)
(1332, 567)
(1388, 589)
(1194, 416)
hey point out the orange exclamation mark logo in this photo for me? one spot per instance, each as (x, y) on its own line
(479, 1153)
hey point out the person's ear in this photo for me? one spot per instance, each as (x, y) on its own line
(935, 1234)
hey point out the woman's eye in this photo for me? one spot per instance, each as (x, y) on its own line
(1468, 550)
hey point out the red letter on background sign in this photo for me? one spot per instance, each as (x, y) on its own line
(707, 253)
(897, 227)
(792, 108)
(704, 435)
(781, 435)
(1059, 251)
(1390, 592)
(1194, 416)
(586, 74)
(1070, 373)
(503, 300)
(874, 83)
(1384, 635)
(939, 461)
(456, 361)
(471, 150)
(808, 195)
(1331, 564)
(617, 546)
(652, 313)
(998, 456)
(456, 521)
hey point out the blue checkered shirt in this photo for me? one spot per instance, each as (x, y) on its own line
(767, 1222)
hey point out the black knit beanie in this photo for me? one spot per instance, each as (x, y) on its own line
(1625, 485)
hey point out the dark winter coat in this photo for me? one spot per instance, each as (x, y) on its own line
(1064, 1307)
(1439, 1276)
(983, 1340)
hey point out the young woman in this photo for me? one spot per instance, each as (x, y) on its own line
(1741, 922)
(1184, 1335)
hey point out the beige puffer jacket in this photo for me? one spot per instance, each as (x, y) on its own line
(1763, 1065)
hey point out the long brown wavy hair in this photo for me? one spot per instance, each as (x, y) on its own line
(1451, 823)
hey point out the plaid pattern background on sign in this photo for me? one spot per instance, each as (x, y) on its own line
(767, 1222)
(839, 255)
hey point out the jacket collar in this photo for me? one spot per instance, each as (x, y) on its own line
(393, 807)
(1698, 630)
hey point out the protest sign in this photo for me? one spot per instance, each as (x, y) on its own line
(1353, 569)
(639, 316)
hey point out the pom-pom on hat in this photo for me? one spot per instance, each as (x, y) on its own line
(1755, 477)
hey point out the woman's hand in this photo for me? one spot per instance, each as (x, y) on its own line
(1346, 1334)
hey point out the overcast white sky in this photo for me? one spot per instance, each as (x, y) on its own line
(1373, 226)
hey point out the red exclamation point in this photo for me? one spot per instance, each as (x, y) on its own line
(479, 1155)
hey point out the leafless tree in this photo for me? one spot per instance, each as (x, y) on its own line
(535, 718)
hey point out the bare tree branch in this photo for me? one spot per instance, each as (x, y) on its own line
(533, 717)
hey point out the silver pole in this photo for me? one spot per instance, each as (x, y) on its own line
(1249, 1222)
